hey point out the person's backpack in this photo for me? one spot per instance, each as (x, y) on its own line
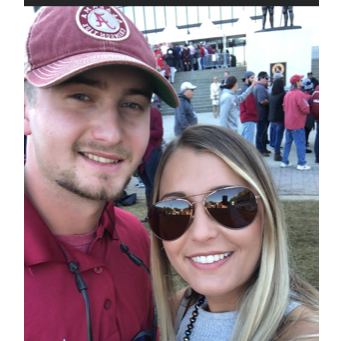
(125, 199)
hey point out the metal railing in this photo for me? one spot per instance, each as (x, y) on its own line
(216, 60)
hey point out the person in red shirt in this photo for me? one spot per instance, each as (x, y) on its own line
(87, 120)
(315, 111)
(248, 110)
(296, 108)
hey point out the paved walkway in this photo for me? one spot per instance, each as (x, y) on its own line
(291, 183)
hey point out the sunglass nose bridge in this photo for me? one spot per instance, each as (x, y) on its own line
(195, 202)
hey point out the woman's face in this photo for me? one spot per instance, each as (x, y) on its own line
(221, 281)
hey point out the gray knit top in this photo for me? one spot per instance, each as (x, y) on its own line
(210, 326)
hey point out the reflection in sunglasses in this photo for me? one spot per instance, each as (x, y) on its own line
(237, 212)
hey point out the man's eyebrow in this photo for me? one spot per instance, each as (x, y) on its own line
(86, 81)
(139, 91)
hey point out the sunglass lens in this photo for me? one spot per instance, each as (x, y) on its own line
(169, 219)
(233, 207)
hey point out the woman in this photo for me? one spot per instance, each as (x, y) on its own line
(232, 253)
(276, 115)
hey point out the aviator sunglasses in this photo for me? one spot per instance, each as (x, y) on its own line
(233, 207)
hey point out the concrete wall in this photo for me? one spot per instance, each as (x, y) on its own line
(290, 46)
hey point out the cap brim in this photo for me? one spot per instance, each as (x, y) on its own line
(57, 72)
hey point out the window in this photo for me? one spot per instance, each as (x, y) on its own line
(149, 13)
(181, 15)
(139, 17)
(215, 13)
(160, 16)
(203, 13)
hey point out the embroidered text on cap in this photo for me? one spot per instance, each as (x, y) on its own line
(102, 22)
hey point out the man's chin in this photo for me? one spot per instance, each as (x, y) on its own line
(102, 193)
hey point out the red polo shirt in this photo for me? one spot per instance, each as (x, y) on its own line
(119, 291)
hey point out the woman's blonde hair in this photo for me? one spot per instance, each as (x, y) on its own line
(263, 303)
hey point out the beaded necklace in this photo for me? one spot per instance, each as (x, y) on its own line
(193, 318)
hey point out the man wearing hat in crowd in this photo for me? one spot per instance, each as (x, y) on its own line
(277, 75)
(90, 75)
(184, 115)
(313, 79)
(307, 88)
(261, 95)
(248, 110)
(296, 107)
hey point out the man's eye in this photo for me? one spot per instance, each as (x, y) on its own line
(131, 105)
(80, 97)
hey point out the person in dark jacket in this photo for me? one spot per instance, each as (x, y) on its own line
(151, 158)
(184, 114)
(171, 62)
(276, 115)
(315, 111)
(313, 79)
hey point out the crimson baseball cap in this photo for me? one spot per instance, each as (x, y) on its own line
(295, 78)
(64, 41)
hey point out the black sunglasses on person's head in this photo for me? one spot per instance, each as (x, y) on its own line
(233, 207)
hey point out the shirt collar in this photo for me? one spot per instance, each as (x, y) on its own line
(41, 245)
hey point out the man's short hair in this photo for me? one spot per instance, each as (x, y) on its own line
(231, 81)
(262, 74)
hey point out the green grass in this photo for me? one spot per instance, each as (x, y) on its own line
(302, 218)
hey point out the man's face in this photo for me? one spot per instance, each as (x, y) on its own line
(310, 75)
(226, 75)
(89, 134)
(263, 81)
(250, 79)
(189, 93)
(215, 79)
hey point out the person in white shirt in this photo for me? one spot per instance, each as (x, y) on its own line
(215, 92)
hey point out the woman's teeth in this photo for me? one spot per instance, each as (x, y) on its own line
(210, 259)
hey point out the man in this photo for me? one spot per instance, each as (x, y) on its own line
(164, 49)
(265, 9)
(307, 88)
(87, 117)
(203, 54)
(177, 56)
(296, 107)
(248, 110)
(215, 93)
(313, 79)
(315, 111)
(184, 115)
(226, 76)
(261, 96)
(229, 102)
(191, 54)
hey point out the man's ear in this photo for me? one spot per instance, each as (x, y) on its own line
(27, 123)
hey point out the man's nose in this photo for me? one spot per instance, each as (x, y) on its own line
(108, 126)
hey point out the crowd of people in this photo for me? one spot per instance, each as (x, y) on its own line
(91, 269)
(191, 57)
(267, 111)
